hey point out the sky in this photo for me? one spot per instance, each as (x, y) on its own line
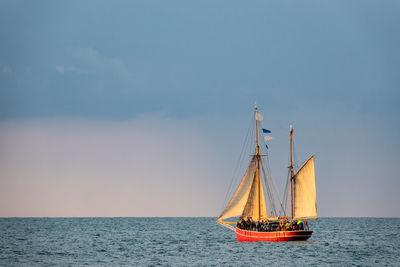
(140, 108)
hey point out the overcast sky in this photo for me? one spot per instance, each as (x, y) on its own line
(140, 108)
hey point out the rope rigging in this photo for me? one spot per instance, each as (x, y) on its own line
(275, 206)
(235, 175)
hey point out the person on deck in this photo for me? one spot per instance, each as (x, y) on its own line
(295, 225)
(268, 227)
(281, 225)
(245, 223)
(253, 226)
(240, 223)
(248, 224)
(300, 225)
(260, 226)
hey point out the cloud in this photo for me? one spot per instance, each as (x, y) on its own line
(6, 68)
(60, 68)
(63, 69)
(150, 166)
(90, 61)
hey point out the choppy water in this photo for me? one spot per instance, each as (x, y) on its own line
(191, 241)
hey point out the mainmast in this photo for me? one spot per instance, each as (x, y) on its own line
(291, 174)
(258, 164)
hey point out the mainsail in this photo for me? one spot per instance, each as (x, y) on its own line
(255, 208)
(305, 199)
(245, 200)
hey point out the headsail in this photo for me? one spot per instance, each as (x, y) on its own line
(305, 198)
(238, 202)
(245, 200)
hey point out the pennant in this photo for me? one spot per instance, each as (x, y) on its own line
(259, 116)
(267, 138)
(266, 146)
(266, 131)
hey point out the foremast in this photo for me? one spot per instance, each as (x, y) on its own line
(257, 157)
(248, 200)
(291, 174)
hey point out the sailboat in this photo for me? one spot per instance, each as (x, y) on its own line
(248, 202)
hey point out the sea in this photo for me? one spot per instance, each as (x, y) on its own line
(191, 242)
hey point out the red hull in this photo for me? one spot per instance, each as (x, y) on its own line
(277, 236)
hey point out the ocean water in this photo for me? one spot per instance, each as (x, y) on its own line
(191, 241)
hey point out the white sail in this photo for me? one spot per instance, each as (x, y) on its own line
(253, 209)
(236, 206)
(304, 193)
(259, 116)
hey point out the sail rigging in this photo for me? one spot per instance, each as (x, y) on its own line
(304, 192)
(249, 200)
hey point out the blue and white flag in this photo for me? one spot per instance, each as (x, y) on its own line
(266, 131)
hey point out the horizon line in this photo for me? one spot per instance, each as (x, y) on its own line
(161, 217)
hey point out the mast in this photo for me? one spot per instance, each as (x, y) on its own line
(291, 175)
(258, 165)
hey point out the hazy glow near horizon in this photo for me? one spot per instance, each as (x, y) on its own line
(80, 168)
(139, 108)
